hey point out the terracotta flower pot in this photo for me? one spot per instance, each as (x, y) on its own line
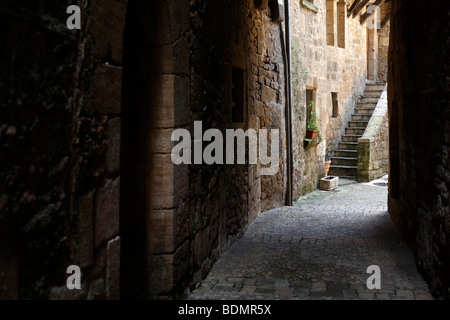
(311, 134)
(327, 167)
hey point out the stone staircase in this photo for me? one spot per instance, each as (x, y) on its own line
(344, 163)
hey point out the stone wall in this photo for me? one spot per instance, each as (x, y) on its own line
(86, 124)
(373, 147)
(198, 210)
(64, 130)
(325, 69)
(419, 178)
(60, 124)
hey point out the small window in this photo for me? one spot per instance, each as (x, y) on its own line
(341, 23)
(238, 96)
(334, 99)
(331, 22)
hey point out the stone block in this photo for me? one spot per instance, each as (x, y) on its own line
(161, 274)
(162, 229)
(9, 264)
(254, 211)
(255, 192)
(329, 183)
(107, 89)
(182, 262)
(198, 250)
(107, 208)
(261, 4)
(63, 294)
(363, 176)
(268, 94)
(173, 20)
(169, 183)
(161, 140)
(113, 269)
(113, 135)
(184, 222)
(170, 101)
(364, 165)
(107, 24)
(85, 238)
(97, 290)
(172, 58)
(167, 270)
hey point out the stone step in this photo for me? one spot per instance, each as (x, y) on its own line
(346, 153)
(360, 124)
(368, 100)
(367, 105)
(364, 111)
(343, 171)
(375, 87)
(344, 161)
(355, 131)
(361, 117)
(351, 137)
(348, 145)
(373, 94)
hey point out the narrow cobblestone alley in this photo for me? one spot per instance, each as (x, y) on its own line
(319, 249)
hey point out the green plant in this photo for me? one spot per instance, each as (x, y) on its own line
(313, 121)
(328, 155)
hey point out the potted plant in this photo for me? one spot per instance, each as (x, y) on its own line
(312, 128)
(327, 163)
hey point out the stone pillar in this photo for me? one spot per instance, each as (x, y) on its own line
(341, 15)
(419, 178)
(167, 184)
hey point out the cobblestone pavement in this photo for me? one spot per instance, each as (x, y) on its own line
(319, 249)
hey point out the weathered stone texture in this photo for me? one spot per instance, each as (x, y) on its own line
(113, 269)
(419, 135)
(59, 147)
(107, 212)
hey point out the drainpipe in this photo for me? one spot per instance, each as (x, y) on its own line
(289, 143)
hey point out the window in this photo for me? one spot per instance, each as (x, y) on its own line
(331, 25)
(335, 103)
(238, 96)
(336, 23)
